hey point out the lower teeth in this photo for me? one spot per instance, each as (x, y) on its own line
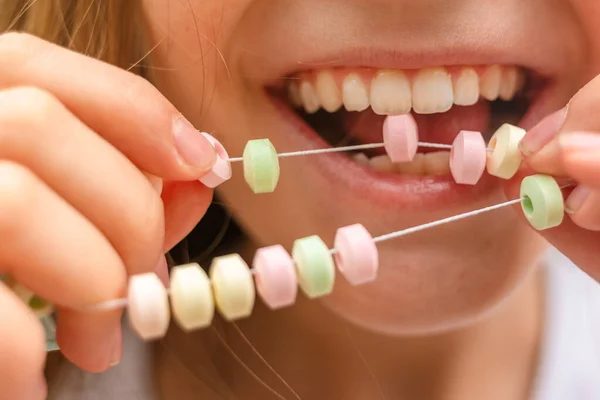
(423, 164)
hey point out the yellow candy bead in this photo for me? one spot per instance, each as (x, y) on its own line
(543, 202)
(233, 286)
(314, 265)
(261, 166)
(191, 297)
(505, 159)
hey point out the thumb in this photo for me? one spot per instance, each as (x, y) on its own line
(567, 142)
(577, 244)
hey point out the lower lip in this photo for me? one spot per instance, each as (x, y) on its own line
(389, 190)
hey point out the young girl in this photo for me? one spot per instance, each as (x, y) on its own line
(101, 174)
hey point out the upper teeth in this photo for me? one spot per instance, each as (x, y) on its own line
(387, 92)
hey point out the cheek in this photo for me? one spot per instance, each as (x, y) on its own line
(423, 289)
(190, 52)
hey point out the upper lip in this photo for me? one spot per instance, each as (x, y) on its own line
(545, 55)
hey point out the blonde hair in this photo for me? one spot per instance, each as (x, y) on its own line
(109, 30)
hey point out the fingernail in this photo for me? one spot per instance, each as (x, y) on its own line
(541, 134)
(576, 199)
(193, 147)
(579, 142)
(115, 357)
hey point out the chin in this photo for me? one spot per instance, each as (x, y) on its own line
(435, 287)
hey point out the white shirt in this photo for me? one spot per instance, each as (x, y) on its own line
(569, 366)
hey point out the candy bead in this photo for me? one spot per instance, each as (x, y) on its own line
(468, 157)
(357, 257)
(543, 203)
(191, 297)
(261, 166)
(505, 159)
(221, 170)
(400, 137)
(232, 286)
(314, 266)
(275, 276)
(148, 306)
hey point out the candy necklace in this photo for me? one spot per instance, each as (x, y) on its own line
(230, 286)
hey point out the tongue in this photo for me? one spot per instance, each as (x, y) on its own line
(367, 127)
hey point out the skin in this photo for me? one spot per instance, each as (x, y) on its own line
(127, 154)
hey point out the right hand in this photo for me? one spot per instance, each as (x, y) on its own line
(86, 150)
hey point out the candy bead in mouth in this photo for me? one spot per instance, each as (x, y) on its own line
(468, 157)
(400, 138)
(505, 159)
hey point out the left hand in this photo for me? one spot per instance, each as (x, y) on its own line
(566, 144)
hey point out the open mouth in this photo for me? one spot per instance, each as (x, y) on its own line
(348, 106)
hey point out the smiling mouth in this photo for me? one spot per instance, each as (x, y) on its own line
(348, 106)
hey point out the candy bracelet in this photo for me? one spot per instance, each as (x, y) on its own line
(231, 285)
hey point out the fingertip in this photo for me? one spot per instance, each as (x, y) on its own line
(90, 340)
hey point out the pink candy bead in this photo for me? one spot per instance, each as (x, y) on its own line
(468, 157)
(148, 306)
(221, 171)
(400, 137)
(275, 276)
(357, 257)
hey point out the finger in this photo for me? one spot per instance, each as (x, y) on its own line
(583, 206)
(56, 253)
(122, 107)
(91, 340)
(185, 204)
(22, 350)
(548, 146)
(52, 249)
(37, 131)
(570, 239)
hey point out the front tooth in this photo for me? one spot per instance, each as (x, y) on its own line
(390, 93)
(508, 84)
(381, 163)
(361, 159)
(436, 163)
(490, 83)
(309, 96)
(414, 167)
(328, 91)
(466, 88)
(354, 93)
(432, 91)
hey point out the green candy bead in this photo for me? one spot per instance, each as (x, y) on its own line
(261, 166)
(314, 265)
(543, 202)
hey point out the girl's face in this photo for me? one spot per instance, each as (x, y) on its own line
(229, 65)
